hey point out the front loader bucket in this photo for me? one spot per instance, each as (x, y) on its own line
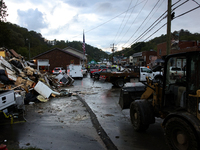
(129, 94)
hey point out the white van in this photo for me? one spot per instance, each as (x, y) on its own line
(75, 71)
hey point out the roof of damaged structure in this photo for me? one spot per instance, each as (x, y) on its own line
(75, 52)
(67, 52)
(15, 54)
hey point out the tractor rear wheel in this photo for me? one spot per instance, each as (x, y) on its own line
(141, 115)
(179, 135)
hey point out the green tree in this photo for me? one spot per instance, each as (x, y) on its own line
(3, 11)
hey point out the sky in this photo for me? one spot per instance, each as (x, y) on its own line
(105, 23)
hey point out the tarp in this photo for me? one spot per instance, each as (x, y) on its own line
(92, 62)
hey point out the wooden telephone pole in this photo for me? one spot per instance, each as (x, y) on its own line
(169, 27)
(113, 50)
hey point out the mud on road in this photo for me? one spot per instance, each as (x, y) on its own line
(61, 123)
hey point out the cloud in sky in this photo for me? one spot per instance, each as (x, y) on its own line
(32, 19)
(104, 21)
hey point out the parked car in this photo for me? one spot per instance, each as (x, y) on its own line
(96, 69)
(58, 70)
(98, 74)
(93, 69)
(84, 71)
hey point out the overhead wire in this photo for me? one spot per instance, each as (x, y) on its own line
(143, 21)
(153, 23)
(122, 21)
(187, 12)
(166, 23)
(196, 2)
(131, 24)
(127, 20)
(112, 18)
(137, 16)
(153, 14)
(86, 31)
(150, 28)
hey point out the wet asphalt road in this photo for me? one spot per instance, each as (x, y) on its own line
(103, 99)
(64, 123)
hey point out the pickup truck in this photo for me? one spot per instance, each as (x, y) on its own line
(175, 72)
(118, 79)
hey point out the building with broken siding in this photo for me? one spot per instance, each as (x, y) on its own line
(59, 58)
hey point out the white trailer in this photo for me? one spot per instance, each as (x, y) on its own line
(75, 71)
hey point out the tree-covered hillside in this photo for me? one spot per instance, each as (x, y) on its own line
(152, 44)
(15, 37)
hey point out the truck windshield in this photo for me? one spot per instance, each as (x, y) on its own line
(145, 70)
(176, 71)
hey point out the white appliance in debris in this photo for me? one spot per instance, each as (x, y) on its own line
(7, 98)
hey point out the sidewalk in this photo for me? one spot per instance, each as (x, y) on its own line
(61, 123)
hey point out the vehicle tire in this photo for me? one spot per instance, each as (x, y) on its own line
(159, 78)
(114, 84)
(179, 135)
(119, 83)
(96, 77)
(141, 115)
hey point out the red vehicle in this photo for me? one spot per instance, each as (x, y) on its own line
(96, 69)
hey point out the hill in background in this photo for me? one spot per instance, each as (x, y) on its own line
(18, 38)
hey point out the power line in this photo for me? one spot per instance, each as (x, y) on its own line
(166, 23)
(123, 20)
(131, 24)
(150, 28)
(187, 12)
(110, 19)
(143, 21)
(113, 18)
(128, 19)
(150, 35)
(180, 5)
(196, 2)
(137, 15)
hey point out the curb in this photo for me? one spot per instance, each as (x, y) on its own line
(103, 135)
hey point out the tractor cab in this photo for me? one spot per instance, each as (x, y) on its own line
(175, 99)
(180, 86)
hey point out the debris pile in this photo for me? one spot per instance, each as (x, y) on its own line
(27, 84)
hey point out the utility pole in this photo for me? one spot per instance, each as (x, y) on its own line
(169, 27)
(113, 50)
(29, 53)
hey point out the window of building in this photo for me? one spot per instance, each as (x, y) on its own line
(159, 51)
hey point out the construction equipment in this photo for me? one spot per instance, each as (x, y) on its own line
(175, 100)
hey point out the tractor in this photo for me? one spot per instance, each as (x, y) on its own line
(176, 100)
